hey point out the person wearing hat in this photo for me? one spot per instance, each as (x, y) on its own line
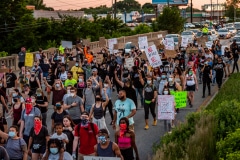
(77, 69)
(27, 118)
(105, 147)
(42, 104)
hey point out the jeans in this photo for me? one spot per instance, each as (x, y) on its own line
(219, 77)
(88, 108)
(44, 119)
(140, 92)
(235, 64)
(213, 76)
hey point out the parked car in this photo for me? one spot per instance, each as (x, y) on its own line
(229, 25)
(237, 25)
(189, 25)
(197, 24)
(128, 47)
(195, 30)
(189, 34)
(175, 38)
(232, 30)
(237, 38)
(224, 33)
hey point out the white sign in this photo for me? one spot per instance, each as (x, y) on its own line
(184, 42)
(159, 35)
(111, 43)
(166, 109)
(143, 42)
(209, 44)
(100, 158)
(66, 44)
(129, 63)
(169, 43)
(153, 56)
(222, 49)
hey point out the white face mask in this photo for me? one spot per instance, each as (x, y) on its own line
(80, 80)
(170, 79)
(105, 85)
(72, 94)
(68, 91)
(165, 92)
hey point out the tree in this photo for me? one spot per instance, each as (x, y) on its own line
(170, 20)
(38, 4)
(148, 8)
(188, 9)
(128, 5)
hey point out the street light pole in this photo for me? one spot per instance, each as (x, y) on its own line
(125, 16)
(191, 12)
(115, 9)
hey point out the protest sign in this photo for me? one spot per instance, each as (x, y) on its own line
(99, 58)
(121, 45)
(150, 43)
(29, 60)
(86, 42)
(166, 107)
(160, 36)
(202, 40)
(222, 49)
(143, 56)
(184, 42)
(209, 44)
(169, 43)
(4, 70)
(180, 98)
(192, 50)
(153, 56)
(111, 43)
(100, 158)
(66, 44)
(170, 53)
(129, 63)
(51, 50)
(102, 42)
(143, 42)
(115, 46)
(96, 50)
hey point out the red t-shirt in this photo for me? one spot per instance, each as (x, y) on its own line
(87, 138)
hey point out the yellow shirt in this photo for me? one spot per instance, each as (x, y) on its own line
(75, 70)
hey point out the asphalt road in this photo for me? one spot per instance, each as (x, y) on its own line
(146, 138)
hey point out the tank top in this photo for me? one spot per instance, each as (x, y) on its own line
(33, 84)
(190, 80)
(124, 142)
(172, 87)
(98, 112)
(17, 113)
(107, 152)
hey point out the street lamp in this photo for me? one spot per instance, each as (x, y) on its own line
(125, 15)
(142, 16)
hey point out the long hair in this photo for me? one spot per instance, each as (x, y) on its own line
(127, 123)
(70, 119)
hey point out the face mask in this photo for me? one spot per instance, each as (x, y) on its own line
(72, 94)
(37, 127)
(15, 100)
(39, 94)
(190, 73)
(28, 107)
(69, 77)
(76, 64)
(170, 79)
(206, 63)
(28, 73)
(105, 85)
(11, 134)
(98, 99)
(57, 85)
(14, 94)
(149, 82)
(68, 92)
(102, 139)
(54, 150)
(165, 92)
(58, 106)
(33, 100)
(123, 126)
(80, 80)
(32, 75)
(84, 122)
(163, 76)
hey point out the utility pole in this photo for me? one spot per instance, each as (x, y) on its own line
(211, 11)
(168, 3)
(218, 12)
(115, 9)
(191, 12)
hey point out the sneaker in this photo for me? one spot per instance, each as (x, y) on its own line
(146, 127)
(154, 123)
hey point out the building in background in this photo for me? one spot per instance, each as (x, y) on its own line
(216, 11)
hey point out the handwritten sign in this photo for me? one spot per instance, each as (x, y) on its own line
(111, 43)
(102, 42)
(184, 42)
(180, 98)
(129, 63)
(202, 40)
(100, 158)
(222, 49)
(121, 45)
(29, 60)
(209, 44)
(169, 43)
(166, 107)
(192, 50)
(160, 36)
(170, 53)
(153, 56)
(99, 58)
(66, 44)
(143, 42)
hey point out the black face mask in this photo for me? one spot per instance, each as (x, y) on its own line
(58, 108)
(98, 99)
(32, 75)
(15, 100)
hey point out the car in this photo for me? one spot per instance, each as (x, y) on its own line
(229, 25)
(175, 38)
(189, 25)
(189, 34)
(237, 25)
(238, 33)
(232, 30)
(197, 24)
(224, 33)
(128, 46)
(213, 34)
(237, 38)
(211, 28)
(198, 34)
(194, 31)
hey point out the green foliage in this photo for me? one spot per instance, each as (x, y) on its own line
(142, 28)
(128, 5)
(229, 147)
(3, 54)
(170, 20)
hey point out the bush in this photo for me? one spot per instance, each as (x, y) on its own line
(3, 54)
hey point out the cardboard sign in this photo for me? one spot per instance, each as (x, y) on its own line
(102, 42)
(71, 64)
(51, 50)
(160, 36)
(143, 42)
(143, 56)
(100, 158)
(202, 40)
(96, 50)
(29, 60)
(129, 63)
(170, 53)
(166, 109)
(192, 50)
(86, 42)
(115, 46)
(151, 43)
(180, 98)
(4, 70)
(121, 45)
(153, 56)
(111, 43)
(99, 58)
(66, 44)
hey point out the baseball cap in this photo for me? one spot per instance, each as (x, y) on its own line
(94, 70)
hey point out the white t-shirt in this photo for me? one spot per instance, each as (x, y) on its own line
(60, 137)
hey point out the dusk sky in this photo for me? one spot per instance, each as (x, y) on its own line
(77, 4)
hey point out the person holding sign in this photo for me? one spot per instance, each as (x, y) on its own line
(150, 96)
(105, 147)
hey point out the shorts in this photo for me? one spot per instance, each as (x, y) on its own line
(40, 150)
(191, 88)
(229, 62)
(48, 89)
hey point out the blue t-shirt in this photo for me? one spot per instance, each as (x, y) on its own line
(124, 108)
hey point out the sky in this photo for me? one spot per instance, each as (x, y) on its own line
(77, 4)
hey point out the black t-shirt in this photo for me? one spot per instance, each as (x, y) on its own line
(10, 79)
(50, 79)
(136, 81)
(219, 67)
(235, 50)
(58, 118)
(41, 100)
(149, 92)
(69, 146)
(44, 67)
(206, 71)
(41, 137)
